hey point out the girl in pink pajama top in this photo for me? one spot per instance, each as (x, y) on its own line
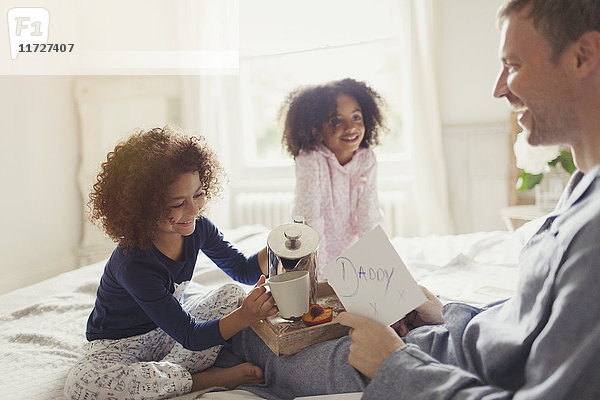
(328, 130)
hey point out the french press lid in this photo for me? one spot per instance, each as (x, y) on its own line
(293, 241)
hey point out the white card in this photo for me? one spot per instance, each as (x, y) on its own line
(371, 280)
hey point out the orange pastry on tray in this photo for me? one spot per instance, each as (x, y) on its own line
(317, 315)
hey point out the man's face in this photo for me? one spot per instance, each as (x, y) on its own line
(535, 85)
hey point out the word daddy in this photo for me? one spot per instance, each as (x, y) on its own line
(353, 276)
(371, 280)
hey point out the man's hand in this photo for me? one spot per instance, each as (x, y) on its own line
(372, 342)
(428, 313)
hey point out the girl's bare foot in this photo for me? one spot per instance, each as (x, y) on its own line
(227, 377)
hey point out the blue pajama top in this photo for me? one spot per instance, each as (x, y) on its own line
(138, 290)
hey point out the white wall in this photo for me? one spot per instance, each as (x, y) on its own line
(40, 202)
(41, 219)
(474, 123)
(469, 63)
(39, 139)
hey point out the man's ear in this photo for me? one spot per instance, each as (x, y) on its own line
(587, 52)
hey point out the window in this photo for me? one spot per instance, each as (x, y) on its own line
(285, 44)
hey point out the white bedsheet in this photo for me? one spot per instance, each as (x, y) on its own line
(42, 326)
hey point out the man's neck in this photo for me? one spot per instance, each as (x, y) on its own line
(586, 154)
(585, 140)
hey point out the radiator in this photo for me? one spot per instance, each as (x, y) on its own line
(393, 205)
(275, 208)
(267, 208)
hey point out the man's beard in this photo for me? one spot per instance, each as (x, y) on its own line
(553, 127)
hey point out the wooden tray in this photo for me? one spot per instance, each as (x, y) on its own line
(286, 337)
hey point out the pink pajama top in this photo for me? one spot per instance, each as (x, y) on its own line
(339, 201)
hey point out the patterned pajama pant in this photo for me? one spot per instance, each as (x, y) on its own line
(152, 365)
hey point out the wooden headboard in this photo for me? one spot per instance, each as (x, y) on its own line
(110, 108)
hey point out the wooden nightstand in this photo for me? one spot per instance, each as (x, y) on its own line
(516, 216)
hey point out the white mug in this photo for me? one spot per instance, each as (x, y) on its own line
(291, 292)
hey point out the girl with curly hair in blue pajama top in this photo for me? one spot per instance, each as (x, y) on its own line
(143, 342)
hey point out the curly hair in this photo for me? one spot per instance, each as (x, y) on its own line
(130, 193)
(308, 108)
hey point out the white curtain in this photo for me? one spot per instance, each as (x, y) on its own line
(209, 101)
(211, 106)
(422, 120)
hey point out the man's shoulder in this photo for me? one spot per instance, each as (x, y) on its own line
(586, 222)
(580, 223)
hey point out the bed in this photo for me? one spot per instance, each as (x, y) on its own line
(42, 326)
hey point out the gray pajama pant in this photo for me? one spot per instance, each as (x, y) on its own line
(320, 369)
(152, 365)
(323, 368)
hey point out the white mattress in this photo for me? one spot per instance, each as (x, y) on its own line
(42, 326)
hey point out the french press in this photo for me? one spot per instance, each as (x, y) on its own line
(293, 247)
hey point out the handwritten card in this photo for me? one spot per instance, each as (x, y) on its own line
(371, 280)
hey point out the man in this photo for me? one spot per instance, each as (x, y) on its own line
(544, 342)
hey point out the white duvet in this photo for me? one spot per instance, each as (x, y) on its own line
(42, 326)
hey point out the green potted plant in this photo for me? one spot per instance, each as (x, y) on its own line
(546, 169)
